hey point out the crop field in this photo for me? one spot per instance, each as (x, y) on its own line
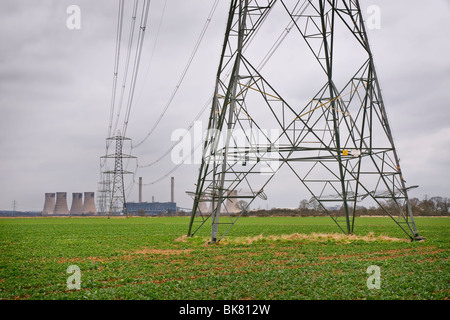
(271, 258)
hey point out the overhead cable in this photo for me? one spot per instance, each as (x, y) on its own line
(137, 60)
(115, 73)
(183, 74)
(127, 62)
(261, 65)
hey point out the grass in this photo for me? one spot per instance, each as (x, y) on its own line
(261, 258)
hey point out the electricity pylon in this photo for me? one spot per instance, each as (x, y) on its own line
(104, 192)
(117, 202)
(337, 142)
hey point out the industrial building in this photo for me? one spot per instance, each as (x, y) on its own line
(151, 208)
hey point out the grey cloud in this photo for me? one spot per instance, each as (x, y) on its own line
(55, 87)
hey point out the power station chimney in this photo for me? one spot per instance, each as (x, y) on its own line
(172, 189)
(61, 207)
(89, 203)
(49, 204)
(140, 189)
(77, 204)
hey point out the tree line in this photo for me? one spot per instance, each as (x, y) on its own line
(434, 206)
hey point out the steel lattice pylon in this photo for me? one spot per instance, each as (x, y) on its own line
(117, 201)
(338, 144)
(104, 192)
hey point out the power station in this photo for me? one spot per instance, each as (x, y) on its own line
(153, 208)
(57, 206)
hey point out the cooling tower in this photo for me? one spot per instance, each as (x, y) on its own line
(61, 207)
(77, 204)
(49, 204)
(89, 203)
(231, 204)
(203, 206)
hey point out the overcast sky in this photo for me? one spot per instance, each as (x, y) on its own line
(56, 83)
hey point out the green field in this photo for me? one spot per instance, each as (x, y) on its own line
(148, 258)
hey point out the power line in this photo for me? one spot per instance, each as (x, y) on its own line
(118, 168)
(177, 166)
(261, 65)
(183, 74)
(206, 105)
(116, 71)
(137, 60)
(154, 48)
(127, 61)
(116, 64)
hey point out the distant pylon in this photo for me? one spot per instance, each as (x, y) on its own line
(117, 201)
(336, 140)
(104, 192)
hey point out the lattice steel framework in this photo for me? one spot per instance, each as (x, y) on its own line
(338, 144)
(117, 202)
(104, 192)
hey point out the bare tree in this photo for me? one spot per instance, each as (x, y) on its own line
(242, 206)
(304, 204)
(441, 204)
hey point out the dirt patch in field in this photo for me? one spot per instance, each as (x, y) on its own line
(393, 254)
(313, 237)
(162, 251)
(385, 254)
(183, 238)
(77, 259)
(127, 257)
